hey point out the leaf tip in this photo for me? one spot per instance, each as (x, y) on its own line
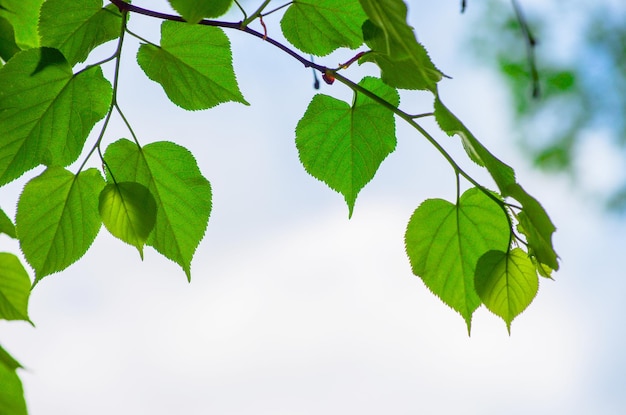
(140, 250)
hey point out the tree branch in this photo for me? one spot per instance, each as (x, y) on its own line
(123, 6)
(531, 42)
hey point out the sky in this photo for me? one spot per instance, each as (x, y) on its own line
(293, 308)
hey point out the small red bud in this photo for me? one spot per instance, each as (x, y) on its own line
(328, 78)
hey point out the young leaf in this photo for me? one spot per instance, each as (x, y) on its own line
(46, 112)
(537, 227)
(403, 61)
(128, 211)
(193, 65)
(14, 288)
(6, 225)
(536, 224)
(319, 27)
(78, 26)
(506, 283)
(182, 194)
(23, 16)
(57, 218)
(444, 242)
(11, 393)
(195, 10)
(343, 145)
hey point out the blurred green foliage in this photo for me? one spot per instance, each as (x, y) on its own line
(580, 54)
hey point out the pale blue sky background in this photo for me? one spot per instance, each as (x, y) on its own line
(293, 308)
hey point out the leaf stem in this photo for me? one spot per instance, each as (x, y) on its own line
(116, 56)
(245, 16)
(141, 39)
(253, 16)
(125, 120)
(278, 8)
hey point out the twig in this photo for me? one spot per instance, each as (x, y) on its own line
(531, 42)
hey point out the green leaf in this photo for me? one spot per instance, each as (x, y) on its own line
(14, 288)
(444, 243)
(536, 223)
(11, 393)
(195, 10)
(193, 65)
(128, 211)
(343, 145)
(46, 112)
(23, 16)
(78, 26)
(8, 47)
(182, 194)
(537, 227)
(6, 225)
(506, 283)
(403, 61)
(319, 27)
(57, 218)
(7, 361)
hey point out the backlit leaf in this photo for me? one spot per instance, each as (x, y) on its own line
(193, 65)
(444, 242)
(536, 224)
(343, 145)
(23, 16)
(77, 27)
(319, 27)
(6, 225)
(403, 61)
(506, 282)
(57, 218)
(14, 288)
(537, 227)
(128, 211)
(195, 10)
(11, 393)
(46, 112)
(182, 194)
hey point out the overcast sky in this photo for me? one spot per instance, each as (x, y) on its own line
(293, 308)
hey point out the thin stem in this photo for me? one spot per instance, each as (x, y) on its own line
(245, 16)
(278, 8)
(123, 6)
(531, 42)
(423, 115)
(99, 63)
(125, 120)
(256, 14)
(141, 39)
(117, 55)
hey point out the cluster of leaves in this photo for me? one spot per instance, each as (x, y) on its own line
(585, 85)
(487, 247)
